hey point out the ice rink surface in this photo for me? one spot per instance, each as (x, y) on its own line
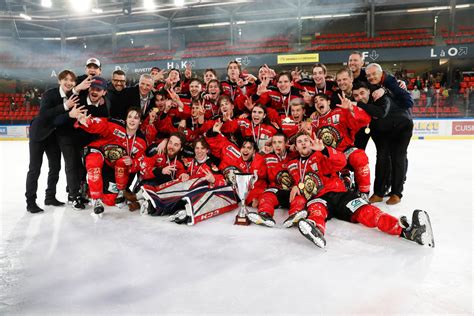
(63, 261)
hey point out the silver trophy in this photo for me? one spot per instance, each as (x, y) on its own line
(243, 184)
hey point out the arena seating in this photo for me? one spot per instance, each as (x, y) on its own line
(19, 115)
(384, 39)
(260, 46)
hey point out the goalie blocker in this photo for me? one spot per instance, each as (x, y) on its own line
(195, 197)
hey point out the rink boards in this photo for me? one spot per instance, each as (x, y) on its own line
(423, 129)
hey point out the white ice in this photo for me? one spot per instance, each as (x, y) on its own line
(63, 261)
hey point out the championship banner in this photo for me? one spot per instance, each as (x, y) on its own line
(199, 201)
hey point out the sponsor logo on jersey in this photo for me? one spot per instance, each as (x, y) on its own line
(336, 119)
(119, 133)
(293, 166)
(271, 160)
(234, 151)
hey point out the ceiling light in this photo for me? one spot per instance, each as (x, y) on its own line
(136, 32)
(179, 3)
(149, 5)
(46, 3)
(462, 6)
(214, 24)
(80, 6)
(97, 10)
(25, 16)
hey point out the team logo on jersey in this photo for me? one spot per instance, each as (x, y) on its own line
(329, 135)
(312, 185)
(113, 152)
(284, 179)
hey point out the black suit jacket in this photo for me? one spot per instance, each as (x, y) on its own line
(51, 106)
(129, 98)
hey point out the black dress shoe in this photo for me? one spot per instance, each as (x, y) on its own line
(53, 201)
(34, 208)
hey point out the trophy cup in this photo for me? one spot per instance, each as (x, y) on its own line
(243, 184)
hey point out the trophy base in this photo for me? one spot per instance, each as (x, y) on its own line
(244, 221)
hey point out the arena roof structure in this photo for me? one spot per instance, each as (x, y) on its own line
(93, 18)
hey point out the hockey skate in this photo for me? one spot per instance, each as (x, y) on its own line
(261, 218)
(312, 232)
(98, 207)
(420, 230)
(120, 200)
(295, 218)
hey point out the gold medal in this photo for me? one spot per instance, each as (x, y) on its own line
(367, 130)
(301, 186)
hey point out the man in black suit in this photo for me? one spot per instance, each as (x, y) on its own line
(140, 96)
(115, 92)
(43, 140)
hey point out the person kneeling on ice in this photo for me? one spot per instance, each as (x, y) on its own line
(320, 194)
(120, 145)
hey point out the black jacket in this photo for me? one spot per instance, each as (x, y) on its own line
(51, 106)
(129, 98)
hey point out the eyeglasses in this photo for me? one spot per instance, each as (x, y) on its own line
(118, 81)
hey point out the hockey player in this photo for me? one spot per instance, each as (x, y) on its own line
(279, 99)
(317, 84)
(201, 166)
(119, 145)
(235, 85)
(337, 127)
(319, 191)
(257, 127)
(164, 167)
(246, 159)
(292, 125)
(211, 97)
(280, 183)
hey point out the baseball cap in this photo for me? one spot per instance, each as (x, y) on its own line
(93, 61)
(99, 82)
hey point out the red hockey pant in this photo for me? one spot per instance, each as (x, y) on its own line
(94, 164)
(360, 163)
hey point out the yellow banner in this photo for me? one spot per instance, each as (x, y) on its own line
(298, 58)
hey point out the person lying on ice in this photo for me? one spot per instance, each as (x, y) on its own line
(319, 194)
(120, 145)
